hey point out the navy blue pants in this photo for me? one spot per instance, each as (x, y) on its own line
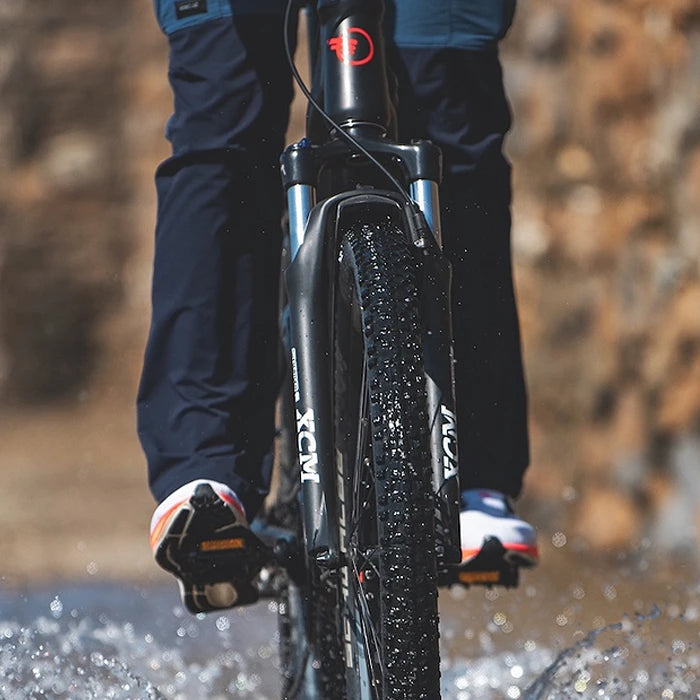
(207, 393)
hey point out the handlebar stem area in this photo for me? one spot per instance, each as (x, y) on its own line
(353, 62)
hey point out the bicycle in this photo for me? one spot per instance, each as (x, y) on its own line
(372, 507)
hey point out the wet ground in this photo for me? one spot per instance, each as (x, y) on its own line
(627, 628)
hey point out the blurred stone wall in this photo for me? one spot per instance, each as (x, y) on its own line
(606, 149)
(606, 146)
(62, 190)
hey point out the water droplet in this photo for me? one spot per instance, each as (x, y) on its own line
(559, 539)
(56, 607)
(180, 677)
(642, 676)
(58, 686)
(678, 646)
(578, 592)
(569, 494)
(499, 619)
(462, 682)
(92, 568)
(610, 592)
(222, 623)
(513, 692)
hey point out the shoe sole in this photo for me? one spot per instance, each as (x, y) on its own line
(214, 557)
(493, 565)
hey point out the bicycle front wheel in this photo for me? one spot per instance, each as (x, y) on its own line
(388, 587)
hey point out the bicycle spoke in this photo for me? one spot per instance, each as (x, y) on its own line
(374, 654)
(368, 559)
(360, 450)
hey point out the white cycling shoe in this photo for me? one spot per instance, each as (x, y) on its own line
(493, 537)
(200, 534)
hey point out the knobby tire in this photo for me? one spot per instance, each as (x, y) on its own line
(388, 589)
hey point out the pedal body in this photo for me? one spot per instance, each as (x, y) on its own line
(494, 565)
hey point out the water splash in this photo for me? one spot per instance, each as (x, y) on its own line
(155, 651)
(629, 665)
(500, 676)
(47, 659)
(648, 655)
(548, 640)
(577, 628)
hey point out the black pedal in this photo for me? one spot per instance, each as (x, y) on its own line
(235, 553)
(488, 568)
(211, 545)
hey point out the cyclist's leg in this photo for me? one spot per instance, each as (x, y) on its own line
(206, 399)
(455, 97)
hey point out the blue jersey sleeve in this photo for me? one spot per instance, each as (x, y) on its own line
(174, 15)
(464, 24)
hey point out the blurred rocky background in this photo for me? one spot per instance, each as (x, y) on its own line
(606, 149)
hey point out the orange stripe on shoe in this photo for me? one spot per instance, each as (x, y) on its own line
(163, 521)
(524, 549)
(469, 553)
(528, 549)
(234, 503)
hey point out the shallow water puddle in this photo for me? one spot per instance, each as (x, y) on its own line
(568, 633)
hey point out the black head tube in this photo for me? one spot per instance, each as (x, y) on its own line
(353, 60)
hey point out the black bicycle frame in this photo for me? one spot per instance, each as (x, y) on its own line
(355, 94)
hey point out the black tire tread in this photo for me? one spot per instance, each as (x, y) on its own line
(385, 269)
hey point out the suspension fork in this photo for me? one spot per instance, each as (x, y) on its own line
(438, 358)
(309, 291)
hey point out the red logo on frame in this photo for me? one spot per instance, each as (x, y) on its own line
(354, 46)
